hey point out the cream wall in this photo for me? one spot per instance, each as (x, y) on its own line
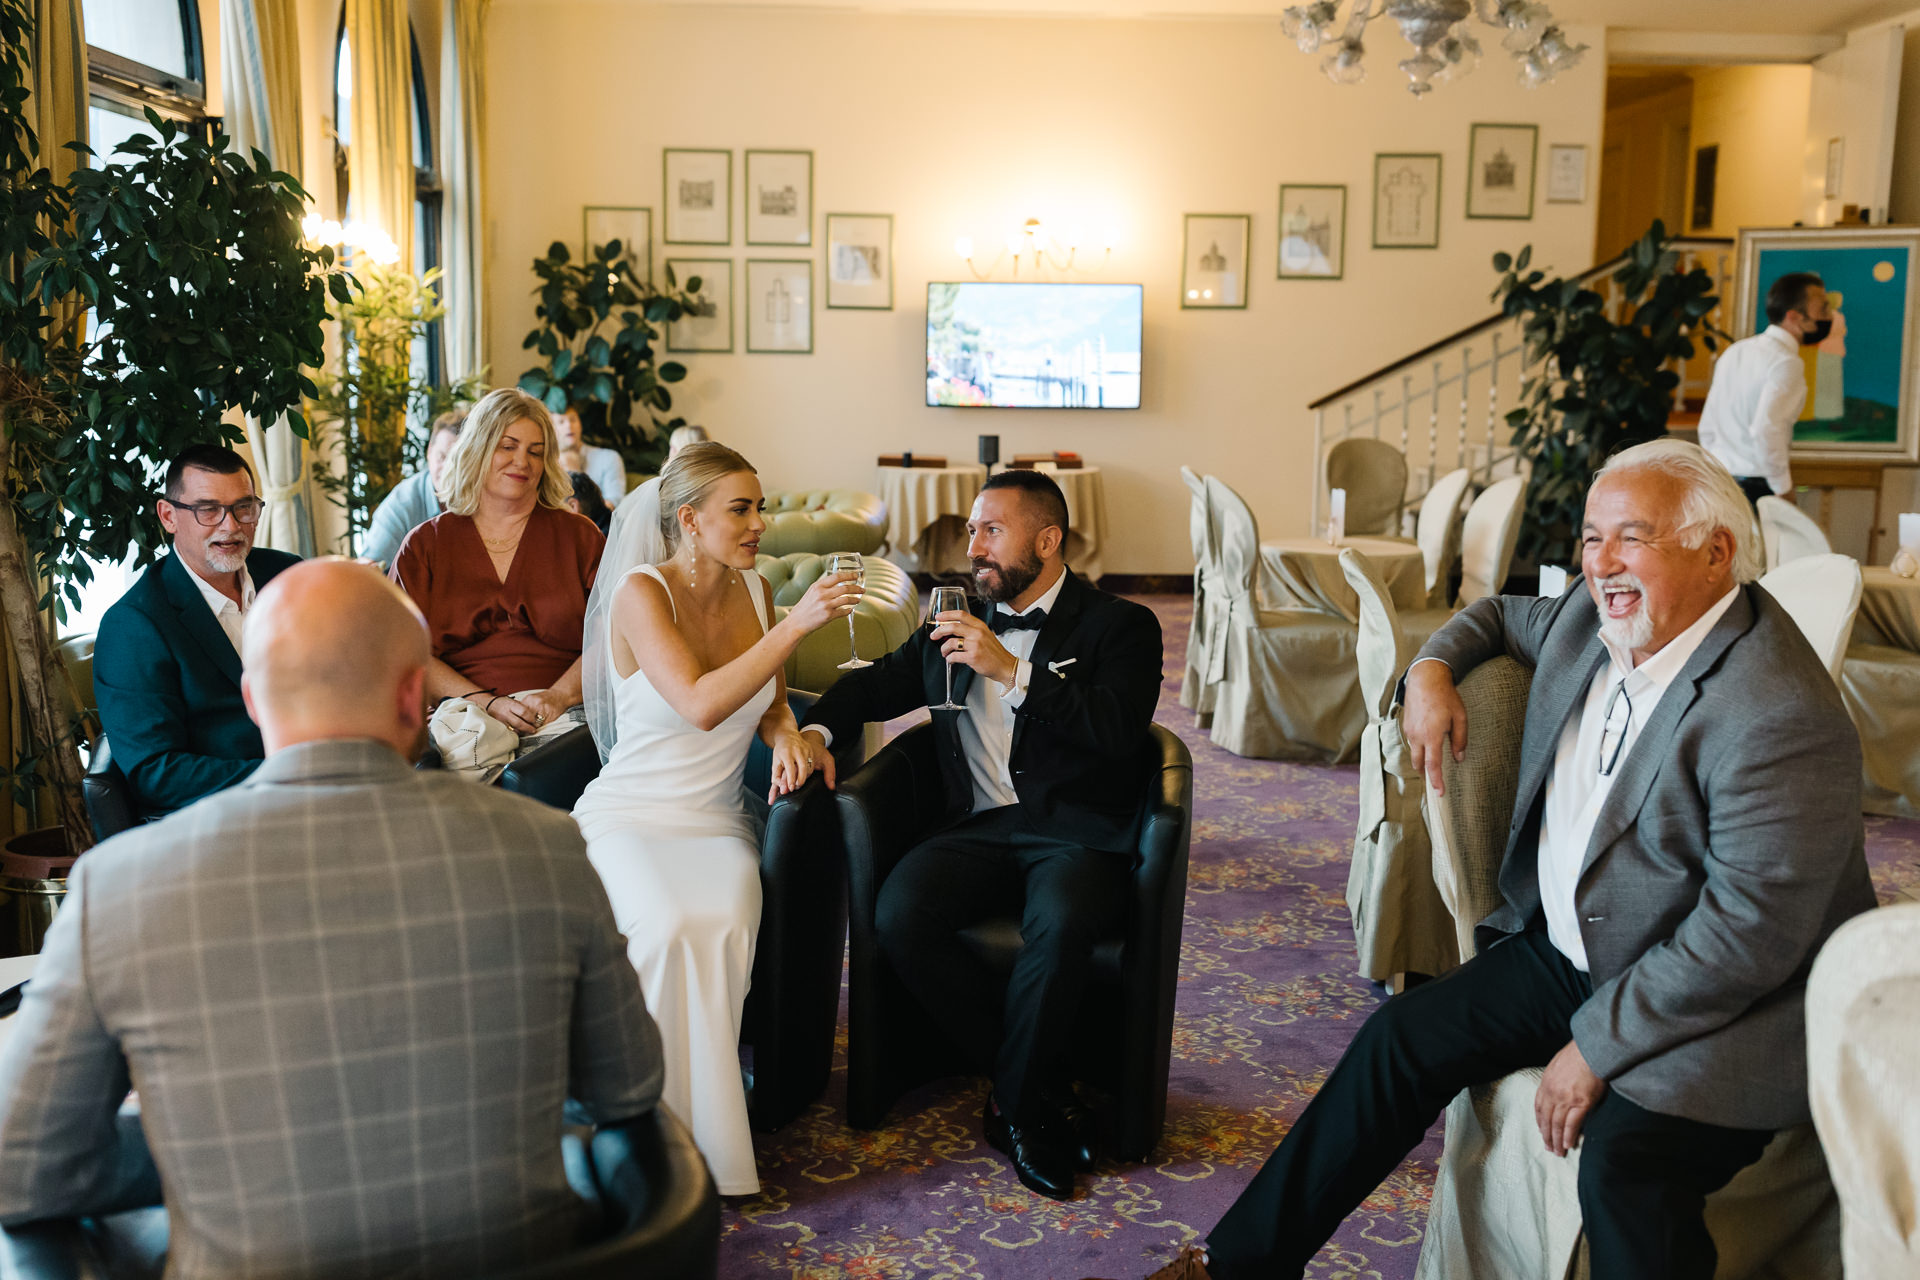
(1757, 116)
(968, 125)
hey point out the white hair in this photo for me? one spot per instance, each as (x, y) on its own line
(1713, 499)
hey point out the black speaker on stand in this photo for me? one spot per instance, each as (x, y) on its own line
(989, 452)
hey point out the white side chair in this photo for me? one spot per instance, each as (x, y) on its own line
(1863, 1038)
(1788, 533)
(1488, 537)
(1196, 695)
(1283, 680)
(1821, 594)
(1438, 531)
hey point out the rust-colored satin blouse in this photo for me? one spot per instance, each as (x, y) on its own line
(504, 636)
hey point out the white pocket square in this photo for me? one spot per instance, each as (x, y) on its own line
(1065, 662)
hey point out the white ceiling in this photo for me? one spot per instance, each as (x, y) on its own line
(1747, 17)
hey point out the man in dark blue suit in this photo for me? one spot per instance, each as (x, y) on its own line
(166, 664)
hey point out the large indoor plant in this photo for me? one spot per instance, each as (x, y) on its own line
(599, 338)
(203, 299)
(1595, 384)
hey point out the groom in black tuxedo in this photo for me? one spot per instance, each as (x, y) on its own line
(1042, 774)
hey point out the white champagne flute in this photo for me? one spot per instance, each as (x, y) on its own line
(849, 562)
(947, 600)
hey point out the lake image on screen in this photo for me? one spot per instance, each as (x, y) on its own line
(1034, 346)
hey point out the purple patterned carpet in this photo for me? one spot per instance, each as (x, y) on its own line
(1268, 1000)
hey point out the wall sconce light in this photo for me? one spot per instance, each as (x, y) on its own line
(354, 237)
(1041, 250)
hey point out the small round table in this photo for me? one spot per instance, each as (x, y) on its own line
(1309, 574)
(1890, 605)
(927, 510)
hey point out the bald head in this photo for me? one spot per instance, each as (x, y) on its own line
(334, 650)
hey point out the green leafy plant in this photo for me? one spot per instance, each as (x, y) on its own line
(203, 299)
(1595, 385)
(372, 402)
(599, 335)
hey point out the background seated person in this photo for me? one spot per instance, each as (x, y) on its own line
(332, 1082)
(413, 501)
(166, 662)
(605, 467)
(586, 500)
(503, 574)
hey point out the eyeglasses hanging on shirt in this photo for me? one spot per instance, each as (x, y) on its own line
(1613, 737)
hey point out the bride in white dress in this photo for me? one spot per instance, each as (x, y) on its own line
(683, 666)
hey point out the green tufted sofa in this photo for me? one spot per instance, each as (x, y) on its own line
(823, 520)
(882, 620)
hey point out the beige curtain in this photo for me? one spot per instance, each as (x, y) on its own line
(260, 78)
(380, 151)
(57, 109)
(462, 111)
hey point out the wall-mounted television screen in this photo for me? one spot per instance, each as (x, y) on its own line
(1033, 346)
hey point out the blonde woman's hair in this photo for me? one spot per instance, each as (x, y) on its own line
(1713, 499)
(466, 472)
(689, 478)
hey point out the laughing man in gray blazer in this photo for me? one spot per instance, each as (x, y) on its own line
(1686, 834)
(354, 997)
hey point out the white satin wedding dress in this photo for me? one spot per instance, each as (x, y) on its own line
(668, 832)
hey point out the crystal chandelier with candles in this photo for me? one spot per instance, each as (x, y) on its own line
(1443, 46)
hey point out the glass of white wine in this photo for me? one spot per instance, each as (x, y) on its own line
(850, 562)
(947, 600)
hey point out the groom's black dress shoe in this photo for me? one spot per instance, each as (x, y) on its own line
(1079, 1127)
(1043, 1162)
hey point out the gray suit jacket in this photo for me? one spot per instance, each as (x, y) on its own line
(1730, 846)
(354, 999)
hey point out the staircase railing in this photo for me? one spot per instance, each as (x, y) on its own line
(1446, 404)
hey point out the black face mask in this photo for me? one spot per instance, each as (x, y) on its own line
(1818, 334)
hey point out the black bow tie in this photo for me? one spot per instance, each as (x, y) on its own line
(1032, 621)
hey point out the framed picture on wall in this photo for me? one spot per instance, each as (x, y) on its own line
(1406, 200)
(1313, 232)
(1500, 164)
(602, 224)
(1566, 173)
(1213, 272)
(780, 197)
(698, 189)
(710, 327)
(1862, 404)
(779, 301)
(860, 261)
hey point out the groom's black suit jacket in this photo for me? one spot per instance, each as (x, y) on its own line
(1079, 737)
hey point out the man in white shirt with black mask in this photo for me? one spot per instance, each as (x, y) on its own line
(1760, 388)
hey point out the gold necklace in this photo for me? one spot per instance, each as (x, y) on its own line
(500, 546)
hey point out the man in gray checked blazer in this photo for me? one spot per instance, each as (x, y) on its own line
(354, 998)
(1686, 834)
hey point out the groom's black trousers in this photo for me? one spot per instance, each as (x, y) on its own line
(1068, 898)
(1644, 1177)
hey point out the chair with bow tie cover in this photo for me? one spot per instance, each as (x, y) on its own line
(1283, 680)
(1787, 533)
(1863, 1037)
(1822, 595)
(1437, 531)
(1196, 695)
(1504, 1207)
(1488, 538)
(1400, 925)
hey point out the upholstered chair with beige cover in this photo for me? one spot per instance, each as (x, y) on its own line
(1399, 923)
(1374, 474)
(1821, 594)
(1863, 1039)
(1437, 530)
(1787, 533)
(1196, 695)
(1504, 1207)
(1283, 680)
(1881, 687)
(1488, 537)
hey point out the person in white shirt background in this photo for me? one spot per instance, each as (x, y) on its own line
(604, 467)
(1760, 388)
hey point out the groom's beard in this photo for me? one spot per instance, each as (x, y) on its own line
(997, 582)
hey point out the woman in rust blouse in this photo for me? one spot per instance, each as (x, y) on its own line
(503, 573)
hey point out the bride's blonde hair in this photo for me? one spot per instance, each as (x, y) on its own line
(689, 478)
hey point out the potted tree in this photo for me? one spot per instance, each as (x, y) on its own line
(140, 301)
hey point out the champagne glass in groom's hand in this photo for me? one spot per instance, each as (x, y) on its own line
(946, 600)
(849, 562)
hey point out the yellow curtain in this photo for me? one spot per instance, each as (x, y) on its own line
(380, 150)
(463, 284)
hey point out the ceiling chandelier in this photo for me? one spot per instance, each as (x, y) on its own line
(1443, 47)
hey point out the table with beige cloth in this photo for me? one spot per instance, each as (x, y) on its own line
(927, 509)
(1880, 683)
(1308, 573)
(1890, 605)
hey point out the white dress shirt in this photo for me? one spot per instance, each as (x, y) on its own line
(607, 469)
(1576, 790)
(1759, 388)
(986, 730)
(231, 617)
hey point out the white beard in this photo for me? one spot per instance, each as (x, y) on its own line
(1635, 631)
(225, 561)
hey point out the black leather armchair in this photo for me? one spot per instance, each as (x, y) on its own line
(107, 793)
(1126, 1023)
(661, 1218)
(794, 1001)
